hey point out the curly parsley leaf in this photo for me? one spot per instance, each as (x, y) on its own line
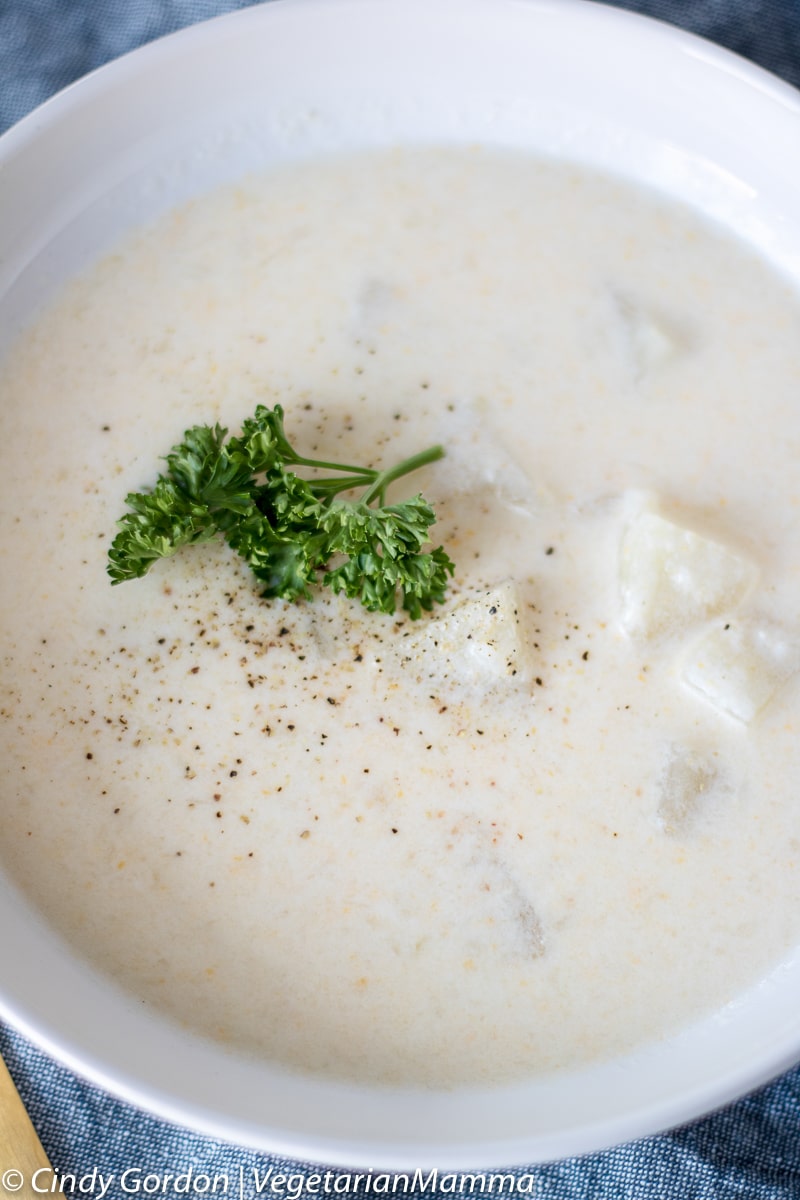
(292, 531)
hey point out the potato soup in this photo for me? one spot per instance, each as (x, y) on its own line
(551, 821)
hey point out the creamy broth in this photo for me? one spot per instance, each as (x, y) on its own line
(306, 831)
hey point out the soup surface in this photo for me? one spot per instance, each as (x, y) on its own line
(549, 822)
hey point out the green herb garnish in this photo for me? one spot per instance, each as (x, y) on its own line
(286, 527)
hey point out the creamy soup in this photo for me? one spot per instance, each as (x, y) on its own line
(551, 821)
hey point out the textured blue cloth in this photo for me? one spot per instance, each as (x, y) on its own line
(750, 1151)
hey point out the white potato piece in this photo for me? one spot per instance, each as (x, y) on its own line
(378, 303)
(507, 915)
(477, 463)
(689, 782)
(470, 874)
(652, 340)
(670, 576)
(740, 665)
(479, 642)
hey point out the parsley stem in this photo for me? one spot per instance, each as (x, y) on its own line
(362, 472)
(405, 467)
(346, 483)
(290, 455)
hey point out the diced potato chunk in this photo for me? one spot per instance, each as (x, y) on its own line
(688, 782)
(479, 466)
(377, 303)
(671, 576)
(652, 343)
(478, 642)
(740, 665)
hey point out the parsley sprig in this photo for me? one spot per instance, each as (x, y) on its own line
(294, 532)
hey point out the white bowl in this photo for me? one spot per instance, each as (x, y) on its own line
(292, 80)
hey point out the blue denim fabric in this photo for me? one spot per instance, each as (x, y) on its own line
(750, 1151)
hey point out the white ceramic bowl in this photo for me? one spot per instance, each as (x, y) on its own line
(294, 79)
